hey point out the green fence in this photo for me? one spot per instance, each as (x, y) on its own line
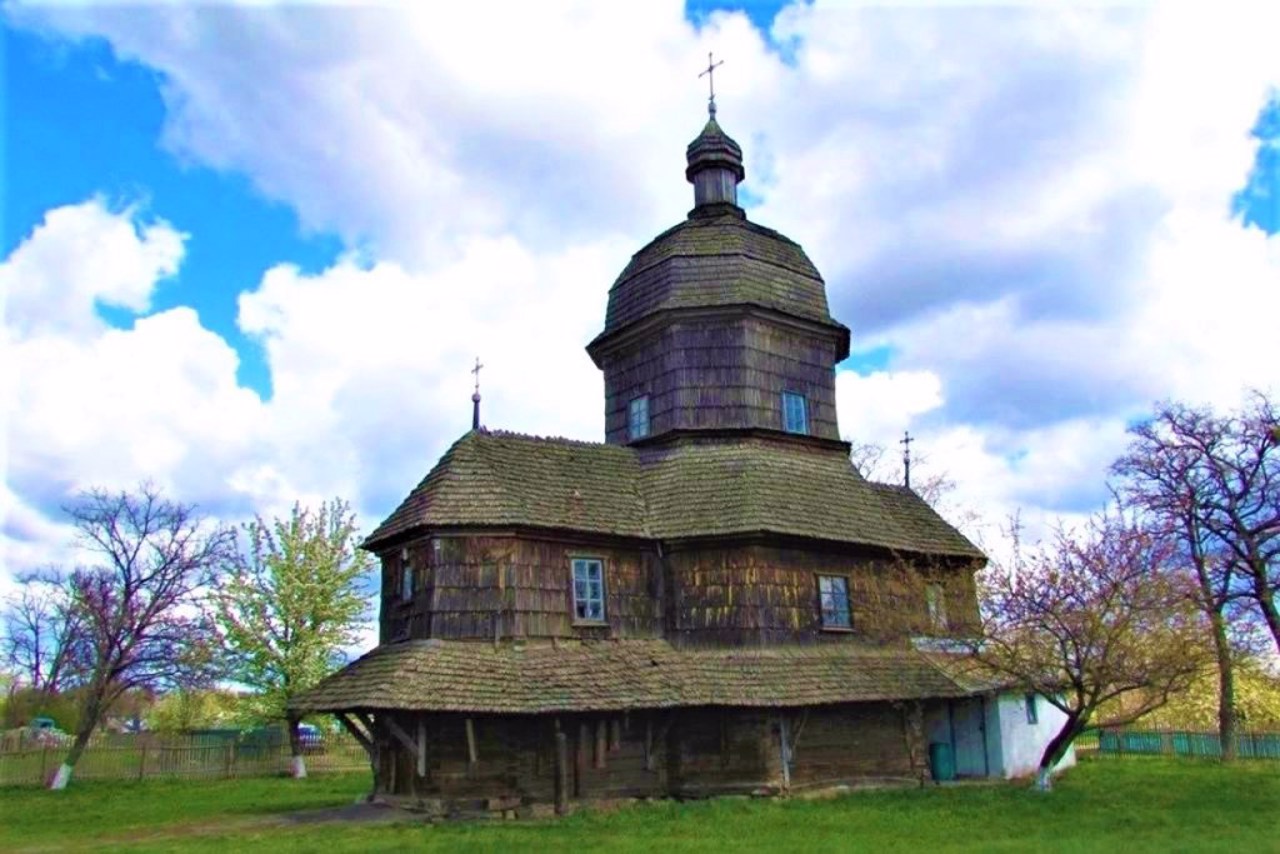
(188, 755)
(1120, 742)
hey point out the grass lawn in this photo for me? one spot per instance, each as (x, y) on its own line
(1129, 805)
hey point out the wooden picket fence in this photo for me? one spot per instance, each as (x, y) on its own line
(1166, 742)
(32, 762)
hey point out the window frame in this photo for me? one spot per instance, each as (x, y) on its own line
(824, 595)
(1033, 714)
(632, 433)
(788, 426)
(587, 561)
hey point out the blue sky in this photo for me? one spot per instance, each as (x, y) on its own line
(296, 226)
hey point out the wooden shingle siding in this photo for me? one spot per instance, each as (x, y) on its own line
(760, 594)
(722, 374)
(482, 587)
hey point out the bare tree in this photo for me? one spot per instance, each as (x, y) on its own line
(44, 640)
(1095, 617)
(141, 604)
(1217, 478)
(1166, 474)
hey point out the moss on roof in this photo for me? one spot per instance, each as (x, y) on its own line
(692, 489)
(460, 676)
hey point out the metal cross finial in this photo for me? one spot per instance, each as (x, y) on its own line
(905, 442)
(710, 74)
(475, 397)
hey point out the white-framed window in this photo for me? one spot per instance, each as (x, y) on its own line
(935, 600)
(638, 417)
(833, 598)
(588, 589)
(795, 413)
(406, 575)
(1033, 716)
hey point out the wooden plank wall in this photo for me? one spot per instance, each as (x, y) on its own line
(474, 587)
(728, 372)
(696, 753)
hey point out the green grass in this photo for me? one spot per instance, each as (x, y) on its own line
(1128, 805)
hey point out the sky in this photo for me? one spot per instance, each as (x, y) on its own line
(251, 252)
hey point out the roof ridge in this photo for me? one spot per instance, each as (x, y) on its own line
(548, 440)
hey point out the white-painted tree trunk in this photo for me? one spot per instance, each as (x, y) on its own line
(299, 767)
(1044, 780)
(62, 778)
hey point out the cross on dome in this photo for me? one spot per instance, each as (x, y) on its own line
(710, 74)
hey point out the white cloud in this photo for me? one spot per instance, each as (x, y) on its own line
(81, 256)
(1026, 207)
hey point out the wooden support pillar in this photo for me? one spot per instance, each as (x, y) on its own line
(784, 749)
(422, 746)
(649, 762)
(562, 771)
(580, 758)
(615, 734)
(472, 755)
(602, 741)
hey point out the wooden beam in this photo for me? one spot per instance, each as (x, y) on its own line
(615, 734)
(648, 742)
(401, 736)
(562, 771)
(602, 741)
(580, 758)
(364, 738)
(784, 750)
(472, 756)
(422, 746)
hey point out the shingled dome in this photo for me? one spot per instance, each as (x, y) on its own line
(717, 257)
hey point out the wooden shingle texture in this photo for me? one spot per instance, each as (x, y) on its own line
(685, 490)
(717, 260)
(477, 677)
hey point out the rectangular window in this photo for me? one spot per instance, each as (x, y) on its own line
(588, 589)
(833, 596)
(936, 601)
(406, 575)
(795, 417)
(1032, 716)
(638, 418)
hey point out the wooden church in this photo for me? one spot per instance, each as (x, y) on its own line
(711, 601)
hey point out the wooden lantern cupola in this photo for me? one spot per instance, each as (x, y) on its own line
(719, 327)
(715, 168)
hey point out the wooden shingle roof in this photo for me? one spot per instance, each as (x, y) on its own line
(497, 478)
(461, 676)
(695, 489)
(756, 485)
(717, 258)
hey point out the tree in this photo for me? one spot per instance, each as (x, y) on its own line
(291, 603)
(141, 604)
(44, 642)
(1170, 475)
(1092, 619)
(1218, 479)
